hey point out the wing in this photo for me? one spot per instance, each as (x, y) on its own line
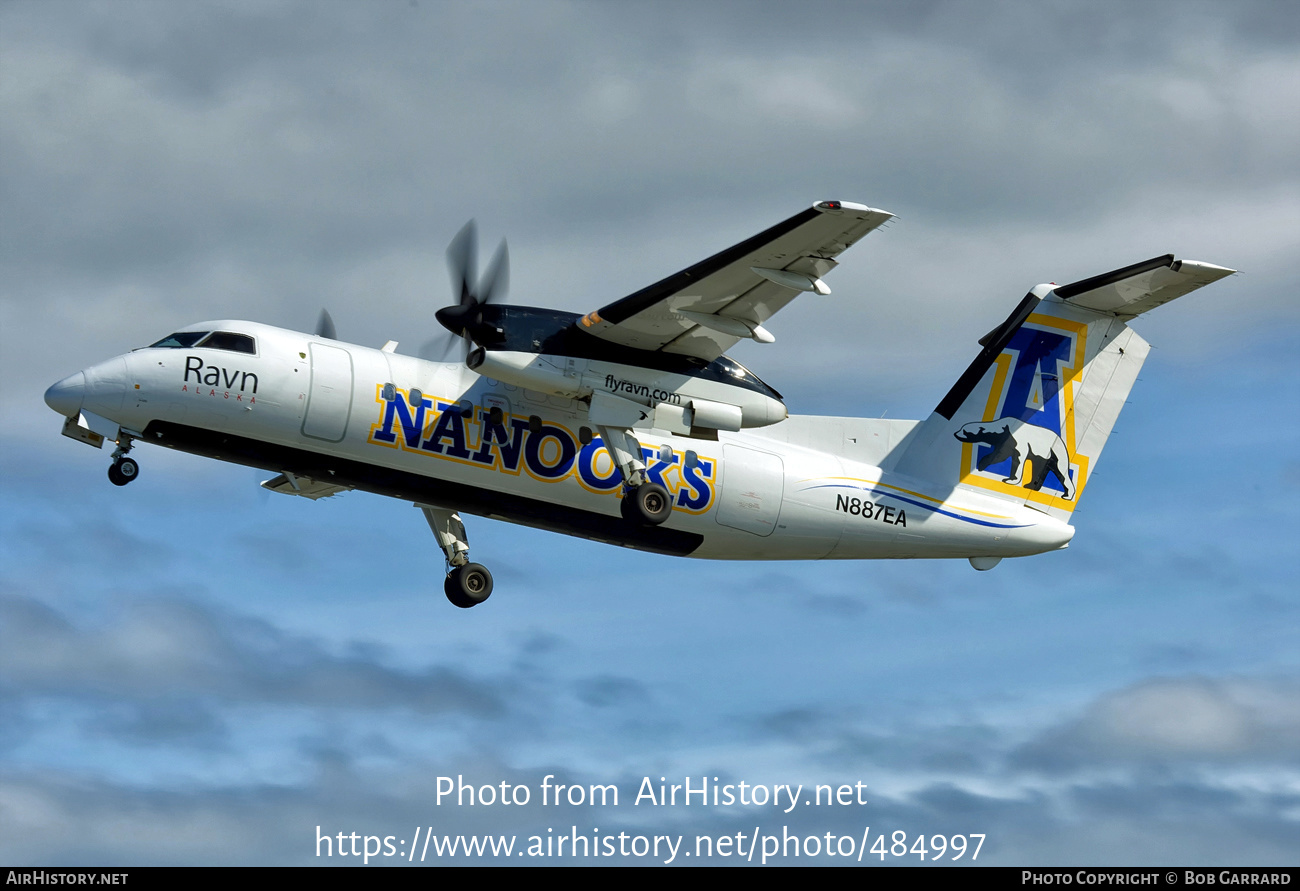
(292, 484)
(704, 310)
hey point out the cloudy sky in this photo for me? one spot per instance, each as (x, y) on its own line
(195, 671)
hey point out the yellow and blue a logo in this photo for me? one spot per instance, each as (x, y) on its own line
(1025, 445)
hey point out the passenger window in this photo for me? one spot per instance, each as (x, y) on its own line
(227, 340)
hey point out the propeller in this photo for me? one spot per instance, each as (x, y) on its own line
(464, 319)
(325, 326)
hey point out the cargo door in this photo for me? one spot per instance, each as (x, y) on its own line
(753, 484)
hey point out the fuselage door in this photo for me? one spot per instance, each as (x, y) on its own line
(329, 402)
(752, 486)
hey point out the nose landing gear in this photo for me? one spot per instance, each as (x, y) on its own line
(123, 469)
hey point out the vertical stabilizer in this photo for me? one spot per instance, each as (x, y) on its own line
(1028, 419)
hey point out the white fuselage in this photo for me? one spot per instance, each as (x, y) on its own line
(803, 488)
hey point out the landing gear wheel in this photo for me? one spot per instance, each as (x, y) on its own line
(648, 503)
(468, 585)
(122, 471)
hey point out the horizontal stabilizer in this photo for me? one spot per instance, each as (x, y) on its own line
(1143, 286)
(290, 484)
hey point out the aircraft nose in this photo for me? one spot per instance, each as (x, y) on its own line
(66, 396)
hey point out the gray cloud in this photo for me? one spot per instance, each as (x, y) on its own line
(171, 678)
(845, 740)
(1175, 721)
(173, 648)
(604, 691)
(261, 162)
(180, 721)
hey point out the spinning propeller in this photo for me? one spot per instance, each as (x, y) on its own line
(465, 319)
(325, 326)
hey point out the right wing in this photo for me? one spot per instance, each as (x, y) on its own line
(704, 310)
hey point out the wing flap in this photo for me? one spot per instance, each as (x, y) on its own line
(729, 284)
(292, 484)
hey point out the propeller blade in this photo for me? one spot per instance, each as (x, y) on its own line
(439, 349)
(462, 263)
(325, 326)
(464, 318)
(496, 281)
(431, 349)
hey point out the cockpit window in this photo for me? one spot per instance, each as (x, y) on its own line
(227, 340)
(179, 340)
(741, 373)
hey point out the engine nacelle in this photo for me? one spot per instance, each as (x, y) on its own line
(715, 415)
(679, 402)
(527, 370)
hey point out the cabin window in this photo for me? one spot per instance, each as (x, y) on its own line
(179, 340)
(228, 340)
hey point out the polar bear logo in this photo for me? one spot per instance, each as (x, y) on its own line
(1010, 437)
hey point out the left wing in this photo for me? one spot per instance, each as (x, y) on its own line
(292, 484)
(704, 310)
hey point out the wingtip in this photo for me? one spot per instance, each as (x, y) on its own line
(839, 207)
(1209, 271)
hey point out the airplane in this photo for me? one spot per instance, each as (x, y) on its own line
(630, 425)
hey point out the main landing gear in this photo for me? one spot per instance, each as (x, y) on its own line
(647, 503)
(123, 469)
(643, 501)
(467, 584)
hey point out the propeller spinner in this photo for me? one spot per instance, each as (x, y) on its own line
(464, 319)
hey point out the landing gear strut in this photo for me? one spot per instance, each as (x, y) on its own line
(643, 501)
(123, 469)
(467, 584)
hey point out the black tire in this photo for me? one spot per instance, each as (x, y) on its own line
(627, 507)
(468, 585)
(648, 503)
(115, 476)
(128, 469)
(457, 598)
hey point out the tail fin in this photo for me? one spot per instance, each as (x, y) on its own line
(1028, 419)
